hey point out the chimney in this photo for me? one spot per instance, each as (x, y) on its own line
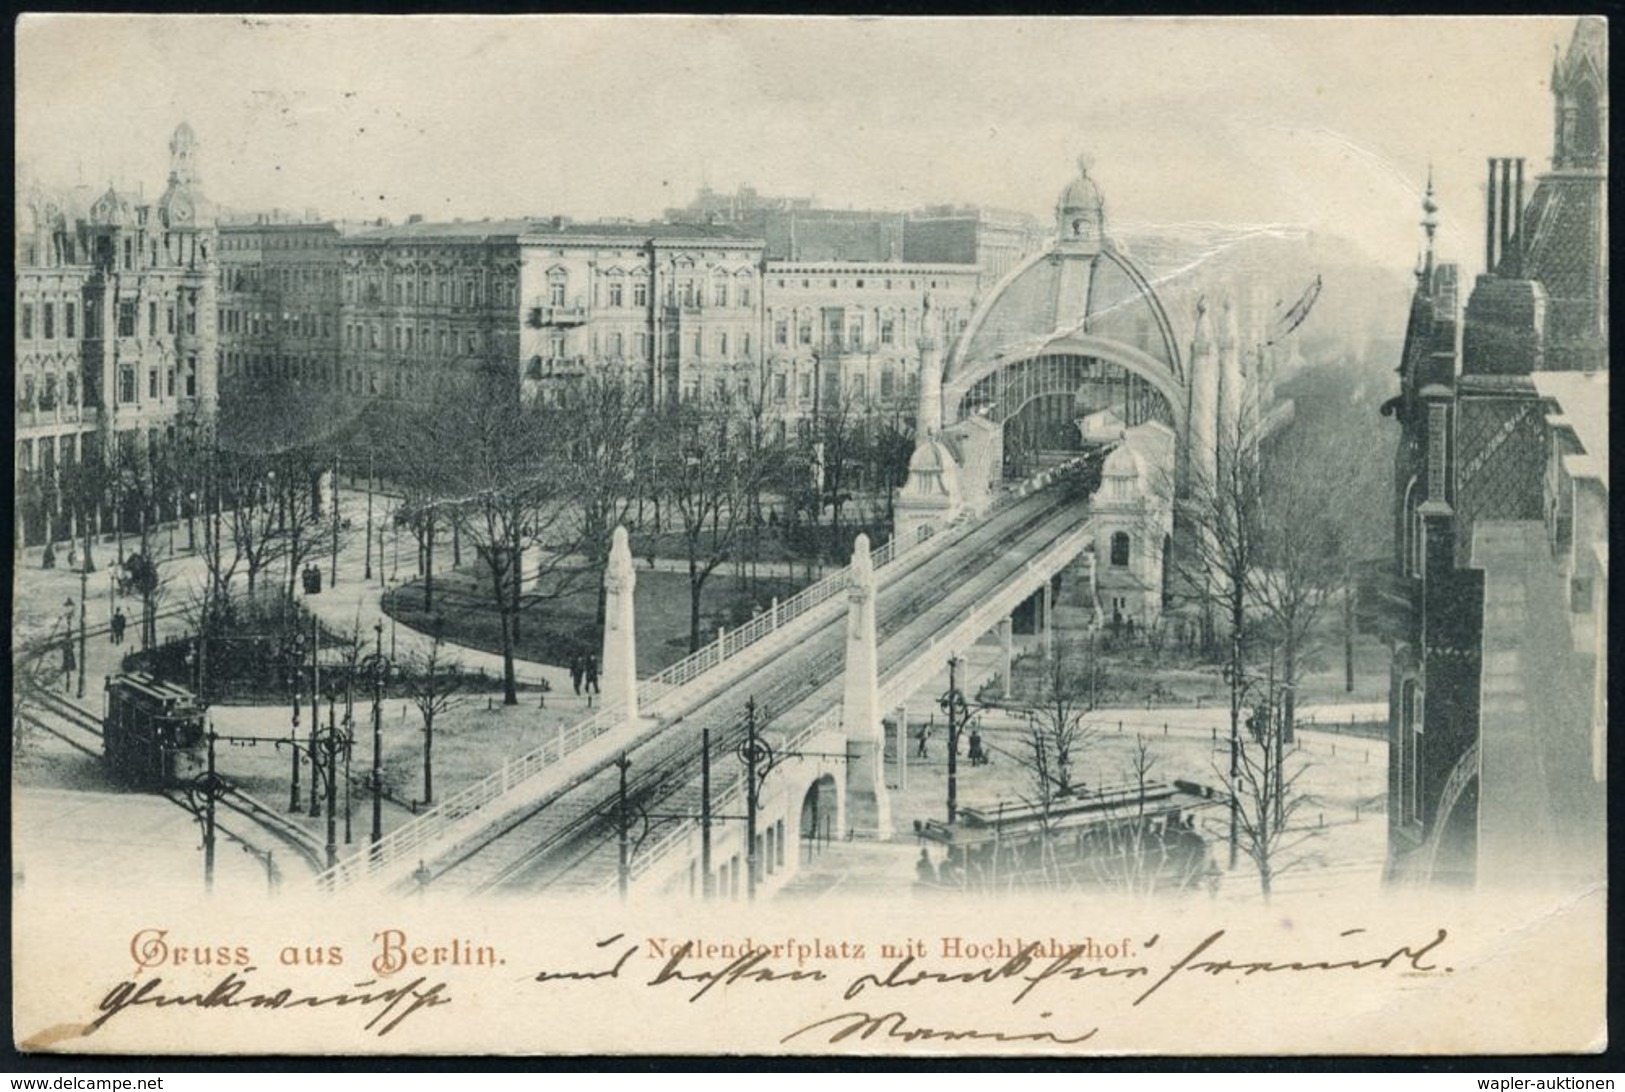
(415, 218)
(1517, 221)
(1489, 222)
(1506, 205)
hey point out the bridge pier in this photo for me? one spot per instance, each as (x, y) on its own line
(1046, 611)
(868, 809)
(1007, 654)
(901, 744)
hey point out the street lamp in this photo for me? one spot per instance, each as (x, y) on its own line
(294, 654)
(378, 665)
(191, 521)
(84, 593)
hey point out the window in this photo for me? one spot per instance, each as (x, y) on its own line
(804, 333)
(169, 383)
(640, 342)
(744, 344)
(780, 387)
(49, 317)
(72, 386)
(781, 332)
(126, 318)
(67, 321)
(152, 383)
(615, 344)
(854, 333)
(28, 392)
(722, 345)
(699, 346)
(555, 292)
(152, 318)
(191, 313)
(48, 397)
(28, 321)
(888, 383)
(617, 294)
(1120, 549)
(744, 294)
(719, 293)
(806, 386)
(640, 293)
(888, 331)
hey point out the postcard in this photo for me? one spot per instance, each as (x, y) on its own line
(810, 536)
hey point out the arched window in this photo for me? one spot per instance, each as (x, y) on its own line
(1120, 548)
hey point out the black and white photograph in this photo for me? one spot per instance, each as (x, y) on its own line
(810, 536)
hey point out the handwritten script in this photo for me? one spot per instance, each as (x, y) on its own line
(1044, 993)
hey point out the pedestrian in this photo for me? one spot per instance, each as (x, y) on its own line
(73, 556)
(976, 756)
(924, 869)
(923, 735)
(48, 558)
(69, 663)
(118, 625)
(591, 673)
(575, 673)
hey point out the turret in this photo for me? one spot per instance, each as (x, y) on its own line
(1204, 404)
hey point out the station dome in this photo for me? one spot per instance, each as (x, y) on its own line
(1082, 286)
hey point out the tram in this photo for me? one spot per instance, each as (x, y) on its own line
(152, 732)
(1117, 837)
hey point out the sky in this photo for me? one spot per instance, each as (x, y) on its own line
(1320, 123)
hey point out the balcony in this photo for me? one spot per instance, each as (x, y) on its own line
(555, 367)
(557, 316)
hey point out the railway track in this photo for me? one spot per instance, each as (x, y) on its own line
(558, 842)
(80, 729)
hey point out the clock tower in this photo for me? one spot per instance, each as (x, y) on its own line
(189, 241)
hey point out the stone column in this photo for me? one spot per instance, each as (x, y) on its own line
(1046, 606)
(1007, 633)
(619, 674)
(902, 747)
(868, 808)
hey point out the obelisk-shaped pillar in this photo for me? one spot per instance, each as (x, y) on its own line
(868, 809)
(1007, 654)
(619, 677)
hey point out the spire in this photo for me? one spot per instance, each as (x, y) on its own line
(1430, 224)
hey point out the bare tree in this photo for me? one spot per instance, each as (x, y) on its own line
(1300, 556)
(256, 532)
(698, 460)
(605, 417)
(1215, 562)
(1264, 788)
(506, 485)
(435, 685)
(1064, 696)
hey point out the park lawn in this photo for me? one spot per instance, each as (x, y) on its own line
(553, 630)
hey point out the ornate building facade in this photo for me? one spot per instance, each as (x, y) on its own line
(116, 334)
(1498, 709)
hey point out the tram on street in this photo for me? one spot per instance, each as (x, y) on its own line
(152, 732)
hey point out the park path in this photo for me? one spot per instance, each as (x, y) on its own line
(354, 604)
